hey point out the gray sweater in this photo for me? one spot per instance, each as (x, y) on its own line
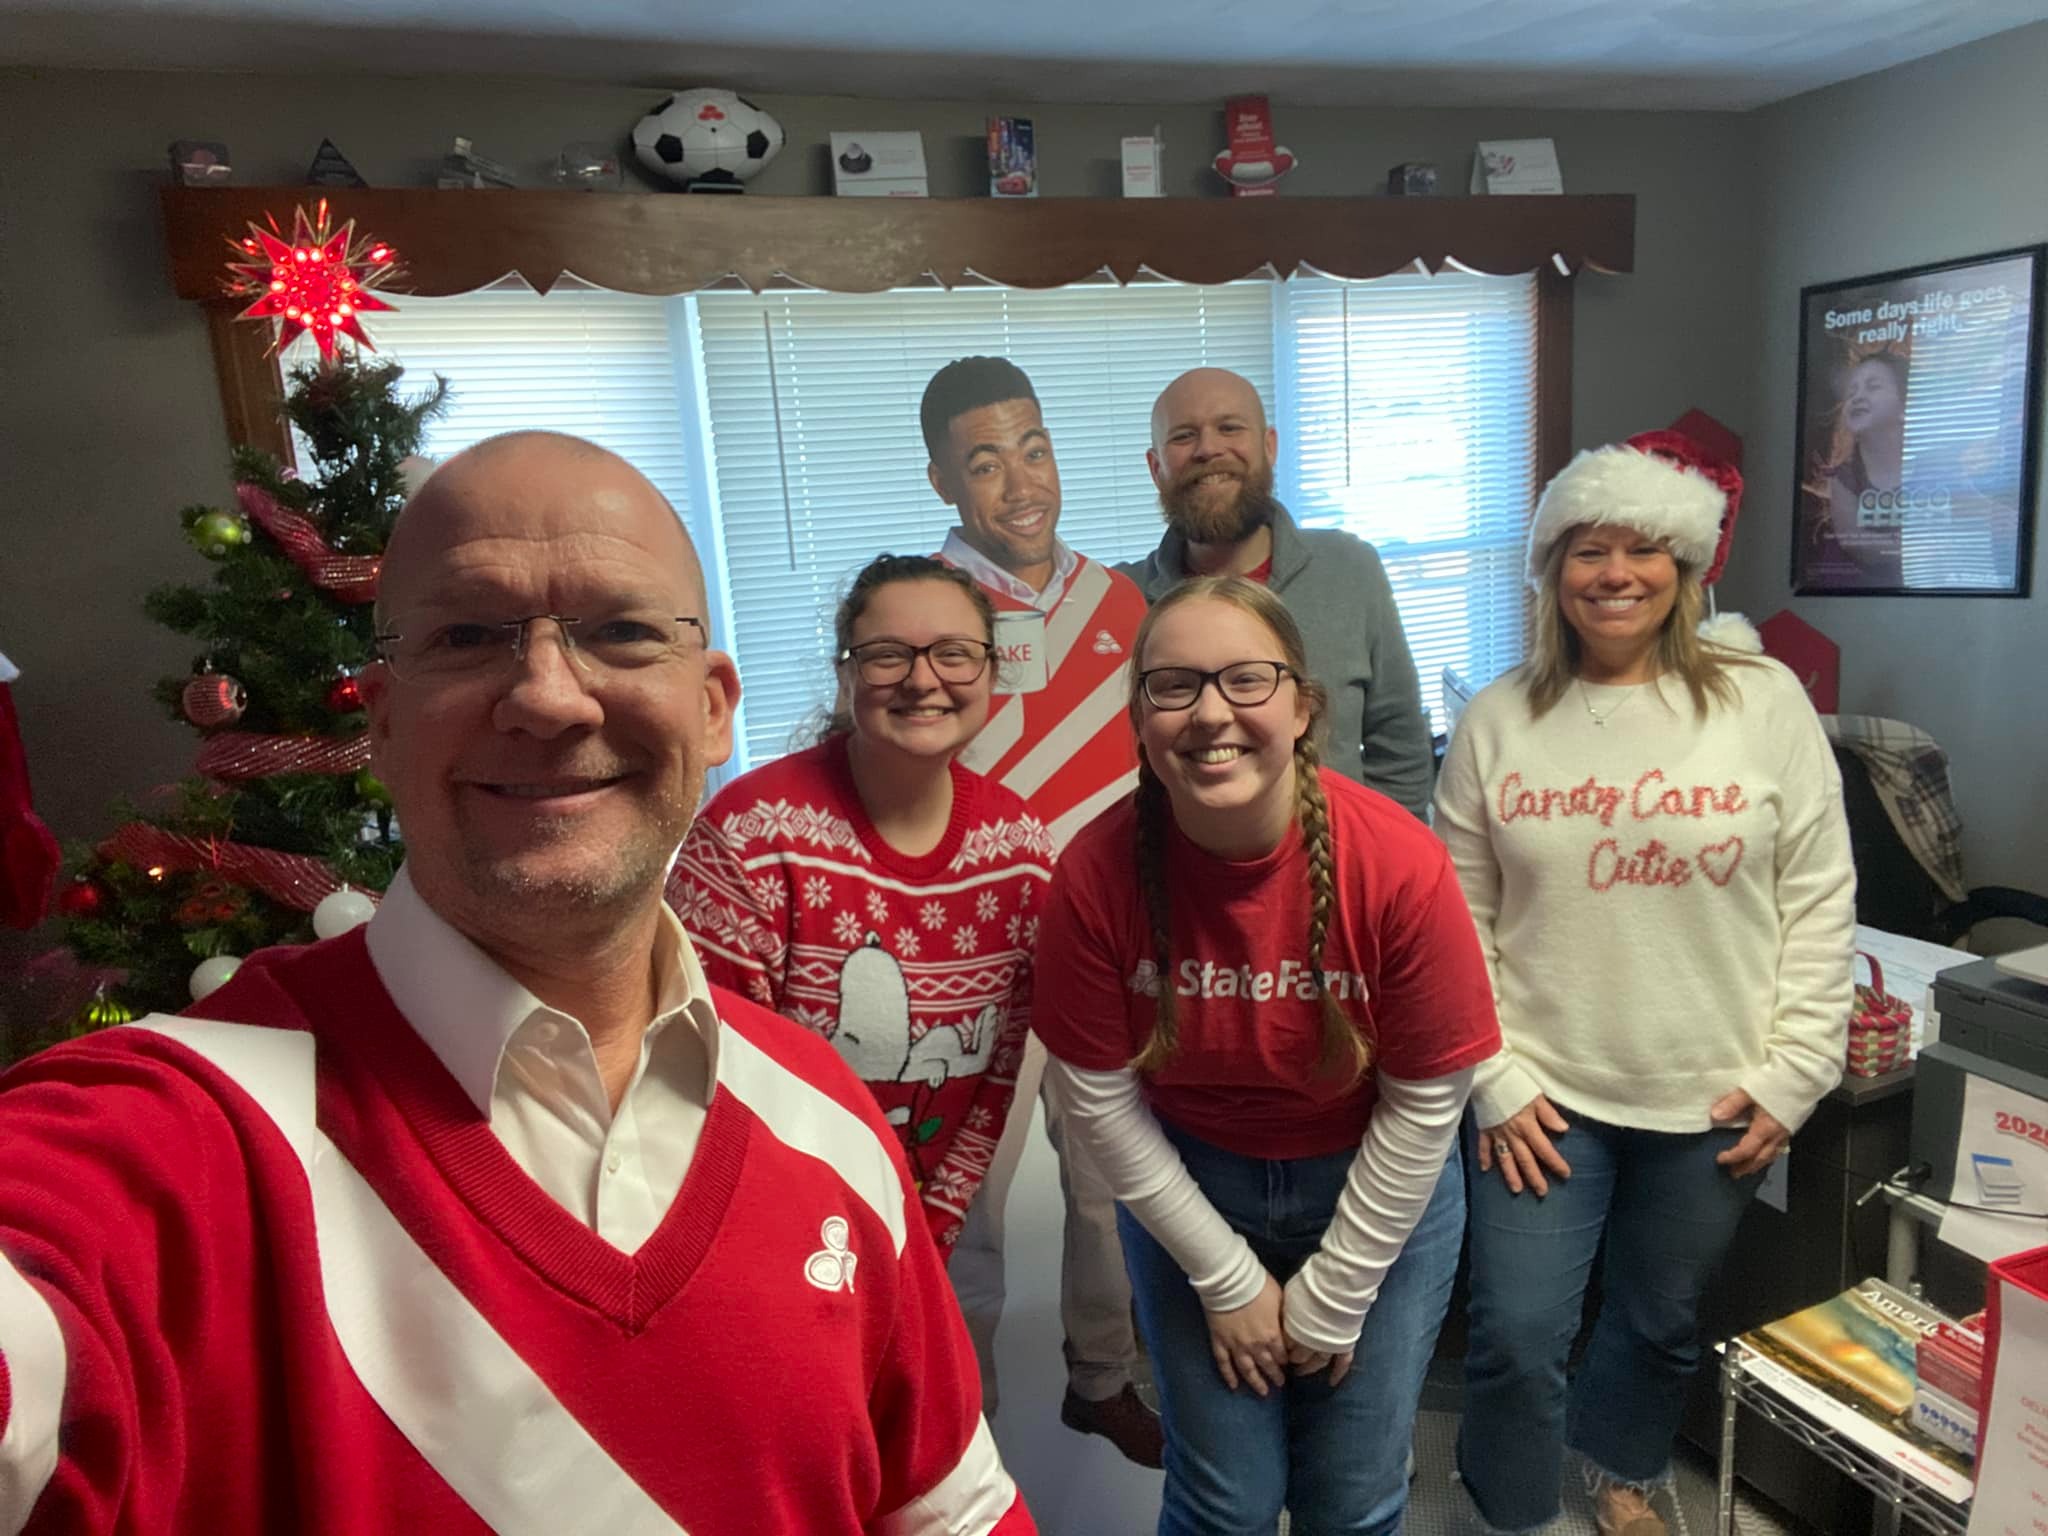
(1336, 588)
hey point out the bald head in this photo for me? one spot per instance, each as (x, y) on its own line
(527, 489)
(1202, 394)
(1212, 460)
(545, 784)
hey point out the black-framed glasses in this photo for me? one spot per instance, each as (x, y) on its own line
(470, 648)
(1244, 683)
(883, 662)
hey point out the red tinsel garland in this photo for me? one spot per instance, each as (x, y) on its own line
(350, 578)
(294, 880)
(246, 755)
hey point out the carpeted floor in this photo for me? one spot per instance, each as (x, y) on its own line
(1078, 1486)
(1438, 1507)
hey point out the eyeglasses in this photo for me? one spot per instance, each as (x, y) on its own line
(882, 662)
(473, 648)
(1243, 683)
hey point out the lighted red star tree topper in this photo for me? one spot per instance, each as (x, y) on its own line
(319, 280)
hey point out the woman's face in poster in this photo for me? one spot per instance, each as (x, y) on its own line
(1871, 396)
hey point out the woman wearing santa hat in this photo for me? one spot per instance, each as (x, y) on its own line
(1647, 823)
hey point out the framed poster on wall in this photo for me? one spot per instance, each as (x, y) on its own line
(1919, 403)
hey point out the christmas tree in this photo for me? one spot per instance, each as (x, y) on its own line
(282, 812)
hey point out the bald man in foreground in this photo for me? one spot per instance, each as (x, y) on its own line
(1212, 459)
(490, 1215)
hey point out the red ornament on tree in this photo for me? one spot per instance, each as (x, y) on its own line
(318, 280)
(212, 901)
(212, 700)
(345, 697)
(81, 898)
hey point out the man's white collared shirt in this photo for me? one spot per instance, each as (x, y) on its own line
(532, 1073)
(957, 551)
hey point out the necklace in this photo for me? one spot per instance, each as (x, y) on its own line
(1597, 717)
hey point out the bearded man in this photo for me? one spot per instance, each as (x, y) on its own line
(1212, 459)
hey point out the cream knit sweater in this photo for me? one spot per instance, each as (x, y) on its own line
(1666, 902)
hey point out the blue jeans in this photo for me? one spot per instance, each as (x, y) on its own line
(1668, 1212)
(1336, 1459)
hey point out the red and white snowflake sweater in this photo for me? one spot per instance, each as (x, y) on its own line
(261, 1279)
(917, 969)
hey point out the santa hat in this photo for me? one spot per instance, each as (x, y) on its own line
(1667, 484)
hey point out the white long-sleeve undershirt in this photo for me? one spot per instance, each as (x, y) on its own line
(1391, 1182)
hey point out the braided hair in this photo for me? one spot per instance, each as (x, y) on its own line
(1344, 1048)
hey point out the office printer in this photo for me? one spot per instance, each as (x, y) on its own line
(1994, 1025)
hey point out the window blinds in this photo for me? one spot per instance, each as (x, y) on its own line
(1405, 406)
(596, 364)
(820, 462)
(1407, 416)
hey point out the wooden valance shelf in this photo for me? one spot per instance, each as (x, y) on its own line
(459, 241)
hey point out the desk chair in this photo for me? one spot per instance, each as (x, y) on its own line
(1905, 836)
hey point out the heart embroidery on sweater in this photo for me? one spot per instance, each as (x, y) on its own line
(1719, 861)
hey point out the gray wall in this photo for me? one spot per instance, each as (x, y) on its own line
(109, 419)
(1930, 161)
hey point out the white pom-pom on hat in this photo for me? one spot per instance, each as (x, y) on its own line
(1733, 632)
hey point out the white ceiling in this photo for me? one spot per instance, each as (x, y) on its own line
(1671, 54)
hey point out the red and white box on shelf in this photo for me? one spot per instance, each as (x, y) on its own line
(1254, 161)
(1951, 1361)
(2012, 1417)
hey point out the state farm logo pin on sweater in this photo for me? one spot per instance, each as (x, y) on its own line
(831, 1267)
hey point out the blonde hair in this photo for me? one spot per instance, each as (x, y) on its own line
(1554, 648)
(1344, 1046)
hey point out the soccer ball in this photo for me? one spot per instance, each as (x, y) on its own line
(714, 140)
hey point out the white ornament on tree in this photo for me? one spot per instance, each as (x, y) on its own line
(211, 974)
(345, 909)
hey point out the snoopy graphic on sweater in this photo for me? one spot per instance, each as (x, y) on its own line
(924, 1083)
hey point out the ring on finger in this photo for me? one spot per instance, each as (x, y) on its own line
(1502, 1147)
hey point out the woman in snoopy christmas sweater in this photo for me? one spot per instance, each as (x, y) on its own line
(876, 891)
(1647, 823)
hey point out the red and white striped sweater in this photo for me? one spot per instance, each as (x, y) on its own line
(259, 1279)
(917, 969)
(1064, 744)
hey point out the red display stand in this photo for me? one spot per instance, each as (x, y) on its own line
(1814, 659)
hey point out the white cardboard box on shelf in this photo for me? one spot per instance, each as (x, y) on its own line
(879, 165)
(1516, 167)
(1142, 166)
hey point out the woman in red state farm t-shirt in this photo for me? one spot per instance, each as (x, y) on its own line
(1264, 999)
